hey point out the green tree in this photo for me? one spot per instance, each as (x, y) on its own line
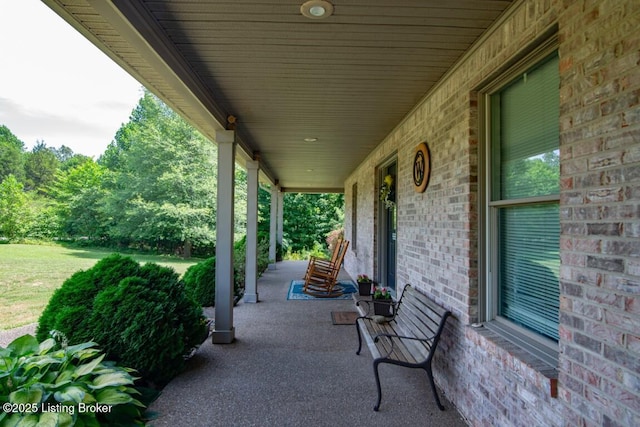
(45, 223)
(78, 193)
(163, 191)
(11, 155)
(113, 156)
(70, 161)
(40, 167)
(541, 171)
(63, 154)
(240, 205)
(308, 218)
(14, 212)
(264, 210)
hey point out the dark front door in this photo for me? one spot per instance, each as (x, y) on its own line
(389, 219)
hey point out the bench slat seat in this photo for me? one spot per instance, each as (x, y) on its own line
(409, 338)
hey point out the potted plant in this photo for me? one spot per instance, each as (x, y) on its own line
(364, 285)
(382, 302)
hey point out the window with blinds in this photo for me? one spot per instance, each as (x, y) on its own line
(524, 198)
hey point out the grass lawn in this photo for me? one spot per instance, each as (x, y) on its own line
(30, 273)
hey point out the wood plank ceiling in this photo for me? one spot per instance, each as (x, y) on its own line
(346, 80)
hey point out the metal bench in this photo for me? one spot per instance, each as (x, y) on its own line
(408, 339)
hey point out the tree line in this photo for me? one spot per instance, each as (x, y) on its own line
(153, 188)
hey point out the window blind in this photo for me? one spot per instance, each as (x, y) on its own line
(525, 159)
(530, 267)
(529, 134)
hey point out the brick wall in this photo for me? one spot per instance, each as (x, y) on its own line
(491, 381)
(600, 146)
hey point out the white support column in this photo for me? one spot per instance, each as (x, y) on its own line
(251, 269)
(280, 232)
(273, 222)
(224, 331)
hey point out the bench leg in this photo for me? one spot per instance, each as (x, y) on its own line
(377, 375)
(359, 338)
(433, 386)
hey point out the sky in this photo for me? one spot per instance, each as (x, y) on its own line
(55, 85)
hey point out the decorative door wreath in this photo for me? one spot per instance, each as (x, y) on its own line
(421, 167)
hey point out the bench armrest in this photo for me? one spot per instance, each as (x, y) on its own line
(426, 341)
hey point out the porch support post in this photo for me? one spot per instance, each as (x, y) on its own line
(224, 332)
(280, 232)
(273, 221)
(251, 269)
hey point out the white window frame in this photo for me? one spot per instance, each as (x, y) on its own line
(535, 344)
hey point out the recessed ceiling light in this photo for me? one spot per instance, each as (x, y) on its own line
(310, 139)
(316, 9)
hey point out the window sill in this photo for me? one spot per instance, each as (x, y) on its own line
(544, 373)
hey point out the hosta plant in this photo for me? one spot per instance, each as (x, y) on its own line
(51, 383)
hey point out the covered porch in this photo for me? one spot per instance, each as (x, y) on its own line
(291, 366)
(337, 104)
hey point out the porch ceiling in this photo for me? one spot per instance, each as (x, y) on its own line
(346, 80)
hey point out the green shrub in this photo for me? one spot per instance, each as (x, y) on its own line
(239, 267)
(239, 261)
(263, 255)
(281, 249)
(53, 384)
(69, 309)
(319, 251)
(148, 324)
(200, 279)
(200, 282)
(141, 316)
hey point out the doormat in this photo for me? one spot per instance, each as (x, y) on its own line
(344, 317)
(296, 291)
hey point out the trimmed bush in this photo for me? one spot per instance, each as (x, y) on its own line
(200, 282)
(200, 279)
(141, 316)
(239, 267)
(239, 261)
(148, 322)
(69, 309)
(263, 255)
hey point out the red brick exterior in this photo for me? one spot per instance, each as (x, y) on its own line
(489, 380)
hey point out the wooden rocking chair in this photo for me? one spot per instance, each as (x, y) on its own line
(324, 263)
(322, 275)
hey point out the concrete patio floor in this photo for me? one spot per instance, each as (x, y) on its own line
(290, 366)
